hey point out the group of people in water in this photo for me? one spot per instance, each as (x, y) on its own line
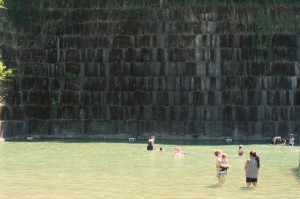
(278, 139)
(251, 166)
(151, 146)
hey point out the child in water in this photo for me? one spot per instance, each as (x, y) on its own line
(224, 163)
(178, 151)
(241, 150)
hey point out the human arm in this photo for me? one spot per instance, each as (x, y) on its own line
(246, 164)
(152, 141)
(224, 165)
(218, 163)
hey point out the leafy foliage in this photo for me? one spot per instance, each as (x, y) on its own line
(6, 74)
(53, 103)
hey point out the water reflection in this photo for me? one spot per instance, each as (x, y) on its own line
(296, 172)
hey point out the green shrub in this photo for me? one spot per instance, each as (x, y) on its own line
(6, 74)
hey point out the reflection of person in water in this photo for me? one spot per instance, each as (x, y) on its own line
(151, 145)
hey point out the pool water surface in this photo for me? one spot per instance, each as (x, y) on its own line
(55, 169)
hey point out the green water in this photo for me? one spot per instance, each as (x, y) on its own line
(126, 170)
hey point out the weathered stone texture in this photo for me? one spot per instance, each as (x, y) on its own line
(113, 72)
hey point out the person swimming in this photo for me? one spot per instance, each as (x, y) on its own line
(178, 151)
(241, 150)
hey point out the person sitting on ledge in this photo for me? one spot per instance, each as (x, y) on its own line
(292, 140)
(283, 141)
(2, 139)
(275, 140)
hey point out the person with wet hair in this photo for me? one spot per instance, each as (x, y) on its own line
(252, 167)
(241, 150)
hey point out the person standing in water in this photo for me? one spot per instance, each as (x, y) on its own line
(252, 169)
(151, 145)
(221, 173)
(241, 150)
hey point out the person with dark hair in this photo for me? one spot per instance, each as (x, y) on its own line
(275, 140)
(241, 150)
(151, 145)
(252, 169)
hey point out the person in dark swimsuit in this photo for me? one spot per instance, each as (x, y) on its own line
(151, 145)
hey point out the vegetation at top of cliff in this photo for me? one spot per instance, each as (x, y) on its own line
(229, 2)
(23, 12)
(29, 13)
